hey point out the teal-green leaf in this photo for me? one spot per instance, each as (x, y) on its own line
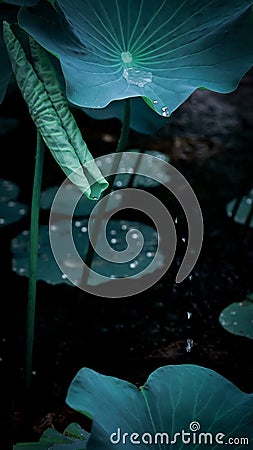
(73, 438)
(5, 66)
(162, 50)
(117, 230)
(143, 119)
(49, 110)
(237, 318)
(173, 398)
(241, 211)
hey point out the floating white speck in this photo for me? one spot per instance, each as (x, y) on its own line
(189, 345)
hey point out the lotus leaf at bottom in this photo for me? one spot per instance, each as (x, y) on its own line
(184, 399)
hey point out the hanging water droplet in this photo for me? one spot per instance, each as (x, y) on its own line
(189, 314)
(64, 276)
(119, 183)
(155, 102)
(183, 239)
(124, 227)
(113, 241)
(2, 220)
(190, 277)
(176, 220)
(77, 223)
(84, 229)
(135, 236)
(249, 201)
(139, 77)
(165, 111)
(189, 345)
(53, 227)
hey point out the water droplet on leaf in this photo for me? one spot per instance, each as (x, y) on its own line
(139, 77)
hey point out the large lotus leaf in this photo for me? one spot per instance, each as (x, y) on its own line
(116, 232)
(143, 119)
(5, 66)
(242, 210)
(73, 438)
(237, 318)
(10, 210)
(159, 50)
(174, 398)
(11, 16)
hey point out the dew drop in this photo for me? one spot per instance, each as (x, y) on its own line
(2, 220)
(249, 201)
(84, 229)
(183, 239)
(135, 236)
(113, 241)
(189, 314)
(64, 276)
(155, 102)
(77, 223)
(138, 77)
(53, 227)
(165, 111)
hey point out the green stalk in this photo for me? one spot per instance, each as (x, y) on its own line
(34, 239)
(122, 143)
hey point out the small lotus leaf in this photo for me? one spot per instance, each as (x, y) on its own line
(73, 438)
(49, 271)
(237, 318)
(242, 211)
